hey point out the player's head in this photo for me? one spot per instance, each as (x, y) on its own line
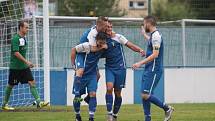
(101, 23)
(109, 29)
(23, 27)
(101, 38)
(149, 22)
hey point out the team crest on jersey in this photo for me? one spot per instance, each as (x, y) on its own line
(113, 44)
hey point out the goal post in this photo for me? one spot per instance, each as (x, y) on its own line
(186, 34)
(11, 12)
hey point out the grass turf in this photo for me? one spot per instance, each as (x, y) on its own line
(183, 112)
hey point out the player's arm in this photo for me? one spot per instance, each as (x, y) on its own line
(156, 41)
(86, 47)
(20, 57)
(130, 45)
(135, 48)
(15, 50)
(73, 55)
(146, 37)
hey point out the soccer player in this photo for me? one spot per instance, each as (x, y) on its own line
(89, 79)
(88, 36)
(153, 69)
(115, 70)
(19, 70)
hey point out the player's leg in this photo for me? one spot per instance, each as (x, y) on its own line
(109, 75)
(120, 77)
(7, 93)
(27, 77)
(77, 99)
(87, 98)
(13, 80)
(91, 89)
(117, 103)
(80, 63)
(149, 82)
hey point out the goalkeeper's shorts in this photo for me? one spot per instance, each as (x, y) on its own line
(22, 76)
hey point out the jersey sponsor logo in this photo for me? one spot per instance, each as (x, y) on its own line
(21, 42)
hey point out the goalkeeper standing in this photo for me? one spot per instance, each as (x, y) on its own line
(19, 70)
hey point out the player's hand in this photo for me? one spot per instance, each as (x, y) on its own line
(31, 65)
(73, 67)
(143, 30)
(142, 53)
(136, 65)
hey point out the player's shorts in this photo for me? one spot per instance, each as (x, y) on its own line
(88, 82)
(20, 76)
(80, 60)
(150, 80)
(117, 77)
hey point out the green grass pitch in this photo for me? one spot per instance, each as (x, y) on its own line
(183, 112)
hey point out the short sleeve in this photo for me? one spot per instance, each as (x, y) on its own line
(121, 39)
(84, 47)
(156, 40)
(92, 37)
(15, 44)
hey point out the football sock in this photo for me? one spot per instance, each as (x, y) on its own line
(8, 90)
(76, 105)
(117, 104)
(158, 102)
(92, 106)
(35, 94)
(109, 102)
(147, 108)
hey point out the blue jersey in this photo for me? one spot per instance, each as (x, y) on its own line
(89, 35)
(114, 55)
(155, 41)
(88, 61)
(91, 62)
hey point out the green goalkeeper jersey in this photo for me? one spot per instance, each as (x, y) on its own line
(18, 44)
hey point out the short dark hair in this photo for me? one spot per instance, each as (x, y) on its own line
(101, 19)
(21, 24)
(151, 20)
(101, 36)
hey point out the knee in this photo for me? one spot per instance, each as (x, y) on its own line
(32, 83)
(117, 93)
(10, 86)
(145, 96)
(109, 89)
(92, 94)
(79, 72)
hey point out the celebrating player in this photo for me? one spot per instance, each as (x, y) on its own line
(153, 69)
(115, 70)
(19, 70)
(89, 80)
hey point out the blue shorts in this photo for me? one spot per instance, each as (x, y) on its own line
(88, 82)
(117, 77)
(80, 60)
(150, 80)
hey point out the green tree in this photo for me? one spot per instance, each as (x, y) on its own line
(90, 8)
(171, 10)
(204, 9)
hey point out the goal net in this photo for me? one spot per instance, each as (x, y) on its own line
(11, 12)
